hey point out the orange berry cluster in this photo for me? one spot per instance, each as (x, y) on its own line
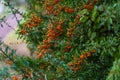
(28, 73)
(33, 22)
(68, 47)
(69, 10)
(76, 65)
(76, 20)
(60, 8)
(50, 7)
(9, 62)
(85, 55)
(44, 48)
(52, 34)
(55, 1)
(88, 6)
(71, 32)
(23, 31)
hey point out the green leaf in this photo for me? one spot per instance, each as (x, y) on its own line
(77, 53)
(83, 19)
(94, 14)
(84, 11)
(6, 49)
(93, 35)
(114, 74)
(110, 21)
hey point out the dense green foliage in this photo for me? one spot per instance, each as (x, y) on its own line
(72, 39)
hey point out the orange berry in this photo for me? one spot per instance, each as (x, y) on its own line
(9, 62)
(82, 56)
(95, 0)
(15, 78)
(40, 55)
(61, 23)
(93, 51)
(77, 17)
(23, 31)
(76, 63)
(66, 9)
(59, 7)
(90, 4)
(85, 6)
(41, 79)
(75, 69)
(37, 53)
(80, 61)
(59, 27)
(71, 11)
(70, 64)
(38, 47)
(88, 54)
(55, 1)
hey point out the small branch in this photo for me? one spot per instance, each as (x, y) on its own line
(5, 54)
(13, 13)
(8, 25)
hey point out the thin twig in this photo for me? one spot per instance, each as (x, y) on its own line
(4, 53)
(9, 25)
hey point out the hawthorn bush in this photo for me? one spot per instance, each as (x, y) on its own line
(70, 39)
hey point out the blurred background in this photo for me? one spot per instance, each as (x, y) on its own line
(8, 25)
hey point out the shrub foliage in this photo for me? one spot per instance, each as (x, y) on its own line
(71, 39)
